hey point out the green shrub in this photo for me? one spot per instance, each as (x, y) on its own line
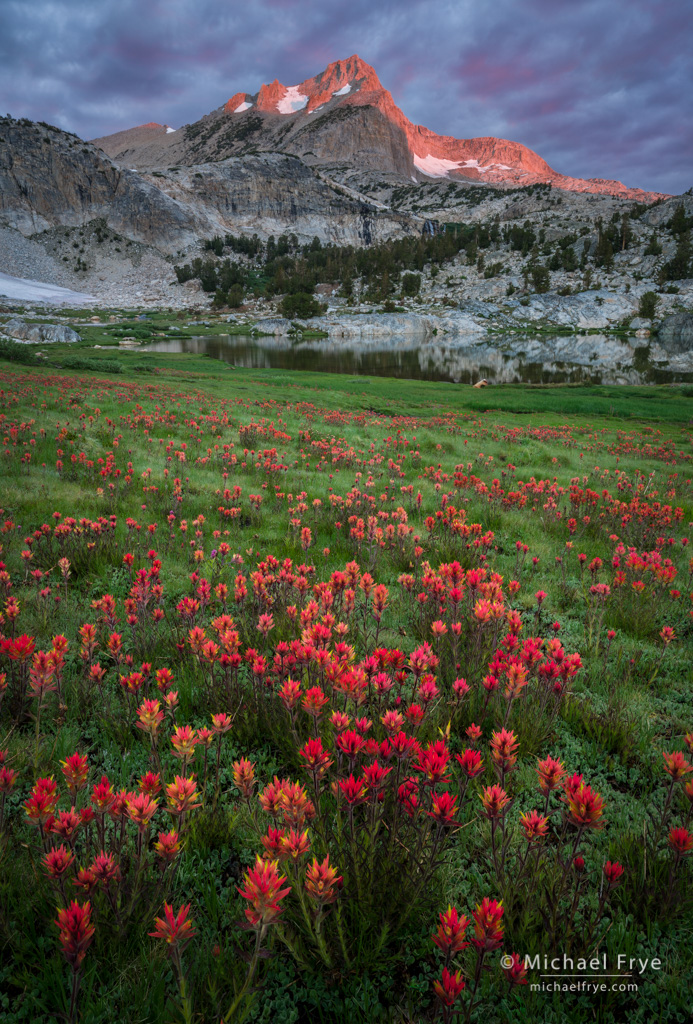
(301, 305)
(648, 305)
(16, 353)
(94, 365)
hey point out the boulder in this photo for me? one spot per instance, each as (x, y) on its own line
(40, 333)
(676, 333)
(276, 327)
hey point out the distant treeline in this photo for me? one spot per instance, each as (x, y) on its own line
(281, 266)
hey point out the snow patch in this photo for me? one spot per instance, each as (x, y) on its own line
(292, 101)
(242, 106)
(343, 91)
(316, 109)
(170, 131)
(433, 167)
(38, 291)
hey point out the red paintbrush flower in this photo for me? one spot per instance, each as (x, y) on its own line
(314, 758)
(676, 765)
(535, 826)
(444, 808)
(75, 770)
(470, 762)
(612, 873)
(488, 931)
(244, 777)
(76, 931)
(323, 884)
(449, 987)
(516, 973)
(585, 807)
(495, 801)
(175, 929)
(167, 846)
(57, 861)
(451, 932)
(263, 889)
(551, 774)
(681, 841)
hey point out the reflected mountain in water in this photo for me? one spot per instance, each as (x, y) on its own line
(596, 358)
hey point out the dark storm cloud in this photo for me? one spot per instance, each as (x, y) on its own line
(598, 89)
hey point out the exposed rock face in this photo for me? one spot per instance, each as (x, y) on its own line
(270, 194)
(50, 178)
(277, 327)
(676, 333)
(344, 115)
(663, 212)
(40, 333)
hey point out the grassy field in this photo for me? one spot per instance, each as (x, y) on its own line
(415, 645)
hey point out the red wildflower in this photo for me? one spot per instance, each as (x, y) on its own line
(551, 774)
(322, 882)
(451, 932)
(470, 762)
(676, 765)
(176, 929)
(444, 808)
(167, 846)
(263, 890)
(535, 826)
(488, 931)
(315, 758)
(76, 931)
(449, 986)
(612, 873)
(495, 801)
(75, 770)
(57, 861)
(516, 973)
(585, 808)
(681, 841)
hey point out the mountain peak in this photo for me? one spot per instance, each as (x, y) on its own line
(339, 79)
(343, 115)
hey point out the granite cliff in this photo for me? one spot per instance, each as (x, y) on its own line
(49, 178)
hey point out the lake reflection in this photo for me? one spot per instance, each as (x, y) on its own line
(506, 359)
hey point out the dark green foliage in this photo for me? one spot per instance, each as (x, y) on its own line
(14, 352)
(541, 278)
(521, 239)
(680, 223)
(95, 365)
(679, 266)
(653, 247)
(411, 284)
(215, 245)
(648, 305)
(301, 305)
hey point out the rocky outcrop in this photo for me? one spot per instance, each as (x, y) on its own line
(44, 334)
(270, 194)
(273, 327)
(675, 333)
(341, 116)
(49, 178)
(587, 310)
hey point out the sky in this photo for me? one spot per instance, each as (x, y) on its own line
(599, 88)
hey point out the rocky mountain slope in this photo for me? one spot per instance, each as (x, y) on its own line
(49, 178)
(344, 116)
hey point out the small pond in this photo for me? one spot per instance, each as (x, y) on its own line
(595, 359)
